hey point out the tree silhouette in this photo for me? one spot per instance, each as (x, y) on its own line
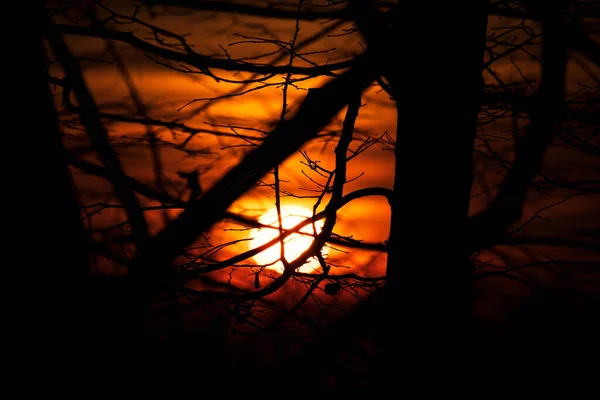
(463, 204)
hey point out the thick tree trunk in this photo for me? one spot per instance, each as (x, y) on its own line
(437, 83)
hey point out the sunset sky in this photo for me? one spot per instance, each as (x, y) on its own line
(164, 93)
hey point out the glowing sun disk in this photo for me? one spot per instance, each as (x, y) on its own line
(294, 245)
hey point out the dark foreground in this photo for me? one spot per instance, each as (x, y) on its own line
(552, 339)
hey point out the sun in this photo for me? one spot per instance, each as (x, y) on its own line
(294, 245)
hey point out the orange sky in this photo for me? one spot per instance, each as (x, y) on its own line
(164, 91)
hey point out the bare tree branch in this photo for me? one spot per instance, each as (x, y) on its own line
(530, 150)
(94, 128)
(197, 60)
(316, 111)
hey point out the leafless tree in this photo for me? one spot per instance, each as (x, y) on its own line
(487, 110)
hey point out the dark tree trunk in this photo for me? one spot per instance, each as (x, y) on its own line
(437, 83)
(431, 56)
(57, 259)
